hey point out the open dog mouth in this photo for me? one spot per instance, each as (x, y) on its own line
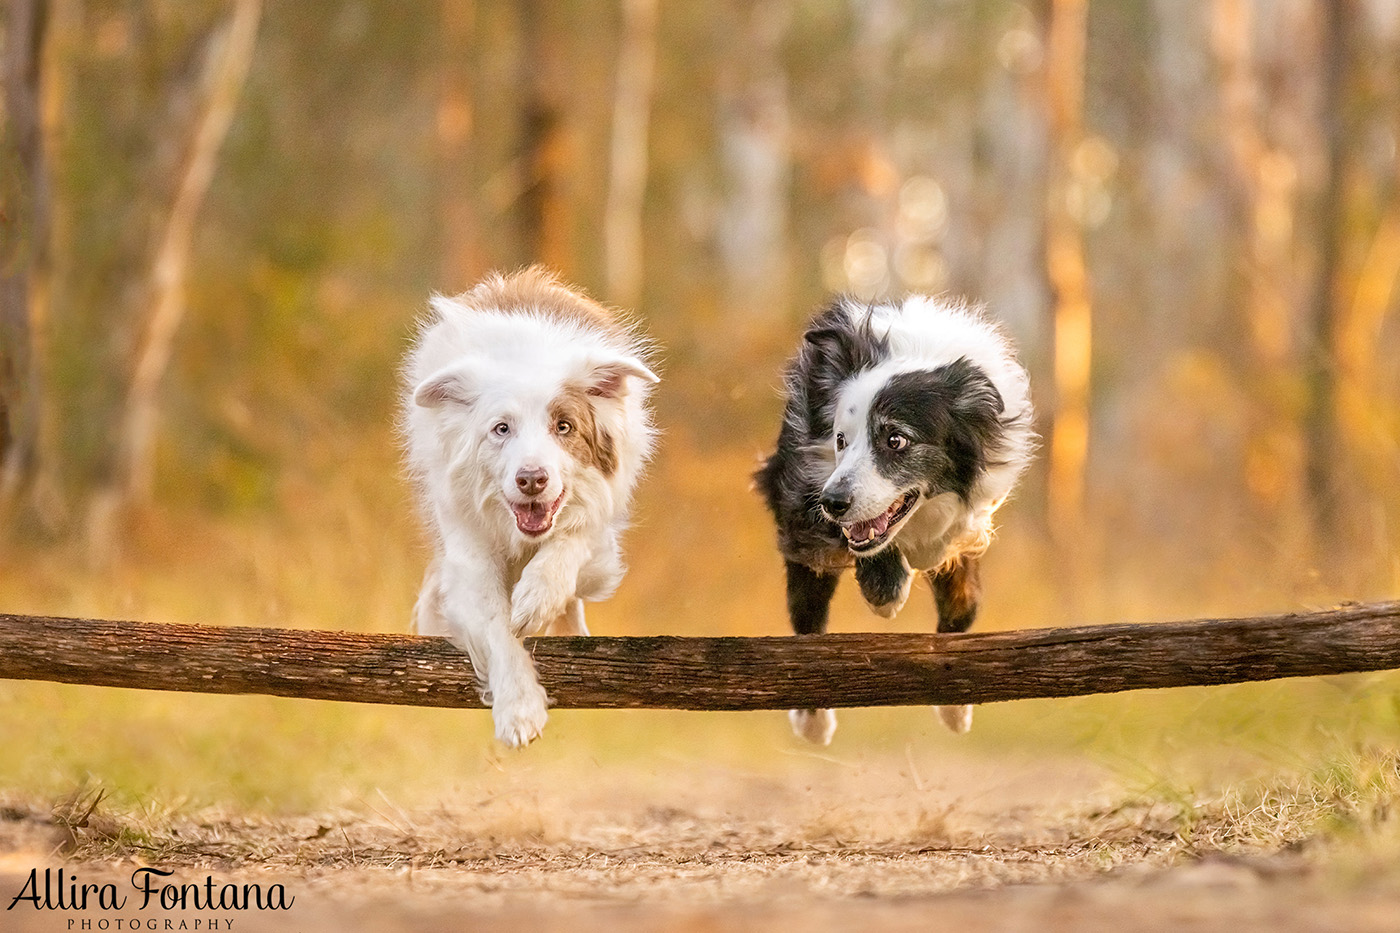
(871, 533)
(535, 518)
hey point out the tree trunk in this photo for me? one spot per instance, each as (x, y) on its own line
(1265, 181)
(24, 258)
(1263, 199)
(1067, 269)
(135, 467)
(1358, 340)
(625, 209)
(1361, 348)
(1323, 439)
(546, 220)
(756, 157)
(461, 261)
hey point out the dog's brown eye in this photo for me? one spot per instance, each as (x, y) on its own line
(563, 427)
(501, 429)
(840, 442)
(897, 441)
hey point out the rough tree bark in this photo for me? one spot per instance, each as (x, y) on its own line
(668, 672)
(1067, 268)
(135, 467)
(624, 212)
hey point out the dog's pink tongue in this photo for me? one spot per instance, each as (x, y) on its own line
(877, 525)
(533, 517)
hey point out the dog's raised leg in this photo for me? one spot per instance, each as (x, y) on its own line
(956, 591)
(477, 612)
(603, 571)
(547, 585)
(957, 588)
(571, 622)
(884, 581)
(809, 602)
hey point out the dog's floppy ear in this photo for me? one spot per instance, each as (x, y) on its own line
(975, 396)
(976, 431)
(453, 384)
(824, 337)
(841, 345)
(607, 377)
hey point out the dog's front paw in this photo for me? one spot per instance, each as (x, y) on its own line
(885, 581)
(535, 604)
(520, 720)
(815, 725)
(889, 610)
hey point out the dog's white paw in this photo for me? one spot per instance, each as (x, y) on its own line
(815, 725)
(956, 718)
(535, 604)
(521, 720)
(891, 609)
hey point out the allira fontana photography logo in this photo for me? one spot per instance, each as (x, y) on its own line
(57, 889)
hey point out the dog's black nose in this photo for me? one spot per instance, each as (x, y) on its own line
(836, 502)
(532, 481)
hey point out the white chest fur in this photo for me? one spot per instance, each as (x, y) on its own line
(941, 529)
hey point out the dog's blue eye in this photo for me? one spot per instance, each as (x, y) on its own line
(898, 442)
(840, 442)
(501, 429)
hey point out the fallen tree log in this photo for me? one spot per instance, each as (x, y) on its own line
(670, 672)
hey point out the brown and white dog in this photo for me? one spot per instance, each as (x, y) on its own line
(526, 425)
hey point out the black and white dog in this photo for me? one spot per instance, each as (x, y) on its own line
(907, 425)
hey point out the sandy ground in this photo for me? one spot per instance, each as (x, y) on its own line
(1233, 898)
(973, 846)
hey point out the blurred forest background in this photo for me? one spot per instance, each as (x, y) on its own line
(219, 218)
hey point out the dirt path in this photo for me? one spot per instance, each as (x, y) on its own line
(895, 844)
(839, 890)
